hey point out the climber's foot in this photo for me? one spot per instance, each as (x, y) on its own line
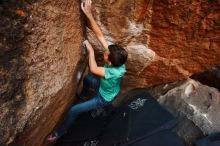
(52, 137)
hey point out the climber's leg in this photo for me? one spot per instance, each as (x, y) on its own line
(93, 103)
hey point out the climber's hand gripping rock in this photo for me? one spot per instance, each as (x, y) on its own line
(88, 46)
(86, 7)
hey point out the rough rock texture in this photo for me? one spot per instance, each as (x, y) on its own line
(210, 77)
(40, 46)
(195, 105)
(167, 40)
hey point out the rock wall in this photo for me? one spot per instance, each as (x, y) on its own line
(166, 40)
(40, 47)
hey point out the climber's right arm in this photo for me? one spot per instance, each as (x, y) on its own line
(86, 7)
(99, 71)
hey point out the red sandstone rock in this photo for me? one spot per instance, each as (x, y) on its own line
(38, 64)
(184, 35)
(40, 47)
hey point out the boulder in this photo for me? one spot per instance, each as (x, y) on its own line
(196, 106)
(40, 47)
(166, 40)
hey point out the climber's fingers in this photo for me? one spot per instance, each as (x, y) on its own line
(82, 6)
(90, 2)
(86, 3)
(88, 46)
(86, 7)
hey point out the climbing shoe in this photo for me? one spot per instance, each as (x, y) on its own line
(52, 137)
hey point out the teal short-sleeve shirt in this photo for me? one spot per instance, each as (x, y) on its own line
(110, 84)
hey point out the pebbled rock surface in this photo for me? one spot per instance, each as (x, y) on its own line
(166, 40)
(40, 47)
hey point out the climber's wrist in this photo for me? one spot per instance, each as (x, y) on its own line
(90, 16)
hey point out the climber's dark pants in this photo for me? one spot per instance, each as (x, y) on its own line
(95, 102)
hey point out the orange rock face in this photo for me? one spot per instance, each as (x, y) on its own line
(180, 37)
(40, 49)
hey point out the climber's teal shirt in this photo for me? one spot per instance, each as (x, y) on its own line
(110, 84)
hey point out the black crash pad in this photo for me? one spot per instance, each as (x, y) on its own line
(136, 119)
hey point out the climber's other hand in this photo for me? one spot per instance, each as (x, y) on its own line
(86, 7)
(88, 46)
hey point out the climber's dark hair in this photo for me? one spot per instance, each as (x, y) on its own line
(117, 56)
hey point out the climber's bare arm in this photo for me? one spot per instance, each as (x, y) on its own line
(86, 7)
(100, 71)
